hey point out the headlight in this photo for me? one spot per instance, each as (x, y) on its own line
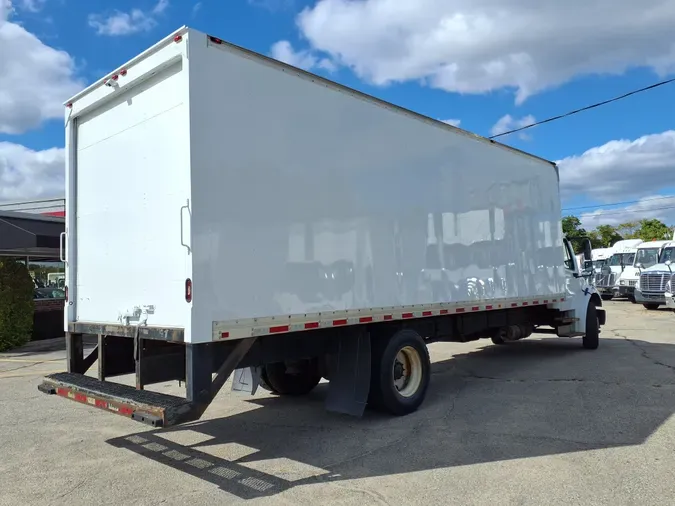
(637, 284)
(669, 286)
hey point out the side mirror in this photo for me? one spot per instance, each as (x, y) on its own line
(668, 264)
(588, 249)
(640, 266)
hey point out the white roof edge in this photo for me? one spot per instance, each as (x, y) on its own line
(152, 49)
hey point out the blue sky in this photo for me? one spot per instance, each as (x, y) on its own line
(445, 62)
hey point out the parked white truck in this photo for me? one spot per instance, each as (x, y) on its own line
(623, 254)
(646, 255)
(651, 288)
(600, 257)
(276, 225)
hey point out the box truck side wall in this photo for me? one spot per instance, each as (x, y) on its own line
(274, 149)
(128, 180)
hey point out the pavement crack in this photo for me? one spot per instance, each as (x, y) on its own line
(645, 354)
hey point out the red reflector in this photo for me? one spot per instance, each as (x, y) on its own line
(280, 328)
(66, 290)
(427, 313)
(224, 335)
(514, 305)
(535, 302)
(525, 303)
(101, 404)
(460, 309)
(365, 319)
(178, 38)
(125, 410)
(407, 315)
(312, 325)
(339, 322)
(80, 397)
(444, 311)
(488, 307)
(188, 290)
(115, 77)
(123, 72)
(475, 308)
(388, 317)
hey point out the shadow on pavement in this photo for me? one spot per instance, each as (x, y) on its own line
(531, 399)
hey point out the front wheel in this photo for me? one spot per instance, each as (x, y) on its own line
(651, 306)
(400, 372)
(591, 339)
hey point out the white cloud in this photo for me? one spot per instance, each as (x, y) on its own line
(127, 23)
(507, 123)
(476, 46)
(453, 122)
(35, 79)
(306, 60)
(621, 169)
(654, 206)
(28, 174)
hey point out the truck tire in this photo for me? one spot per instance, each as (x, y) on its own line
(497, 340)
(651, 306)
(265, 382)
(606, 296)
(293, 378)
(400, 372)
(591, 339)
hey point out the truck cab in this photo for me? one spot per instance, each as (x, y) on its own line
(646, 256)
(656, 280)
(600, 257)
(623, 254)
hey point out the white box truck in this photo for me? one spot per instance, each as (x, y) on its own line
(264, 221)
(653, 287)
(623, 254)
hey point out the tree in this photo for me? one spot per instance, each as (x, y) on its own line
(629, 230)
(608, 235)
(16, 304)
(654, 230)
(572, 229)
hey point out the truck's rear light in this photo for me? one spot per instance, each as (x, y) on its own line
(215, 40)
(66, 290)
(188, 290)
(178, 38)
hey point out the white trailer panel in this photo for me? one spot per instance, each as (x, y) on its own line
(305, 197)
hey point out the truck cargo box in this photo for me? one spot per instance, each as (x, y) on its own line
(269, 192)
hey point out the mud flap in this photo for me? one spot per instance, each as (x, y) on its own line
(350, 381)
(246, 380)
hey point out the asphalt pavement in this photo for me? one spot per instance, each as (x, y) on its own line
(538, 422)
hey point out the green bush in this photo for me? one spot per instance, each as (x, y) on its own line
(16, 304)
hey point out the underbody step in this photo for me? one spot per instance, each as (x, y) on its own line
(158, 410)
(566, 320)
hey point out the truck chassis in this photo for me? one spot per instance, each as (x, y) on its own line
(384, 364)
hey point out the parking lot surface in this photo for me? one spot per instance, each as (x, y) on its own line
(539, 422)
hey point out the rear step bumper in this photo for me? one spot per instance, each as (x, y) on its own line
(152, 408)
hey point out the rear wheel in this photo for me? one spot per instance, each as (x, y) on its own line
(591, 339)
(651, 306)
(497, 340)
(291, 378)
(400, 372)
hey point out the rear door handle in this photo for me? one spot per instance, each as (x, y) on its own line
(62, 252)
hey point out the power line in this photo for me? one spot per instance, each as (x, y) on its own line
(592, 106)
(619, 203)
(629, 211)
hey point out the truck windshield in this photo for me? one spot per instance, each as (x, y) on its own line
(617, 258)
(597, 264)
(647, 257)
(667, 254)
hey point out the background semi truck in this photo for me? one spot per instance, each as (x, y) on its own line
(623, 254)
(284, 228)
